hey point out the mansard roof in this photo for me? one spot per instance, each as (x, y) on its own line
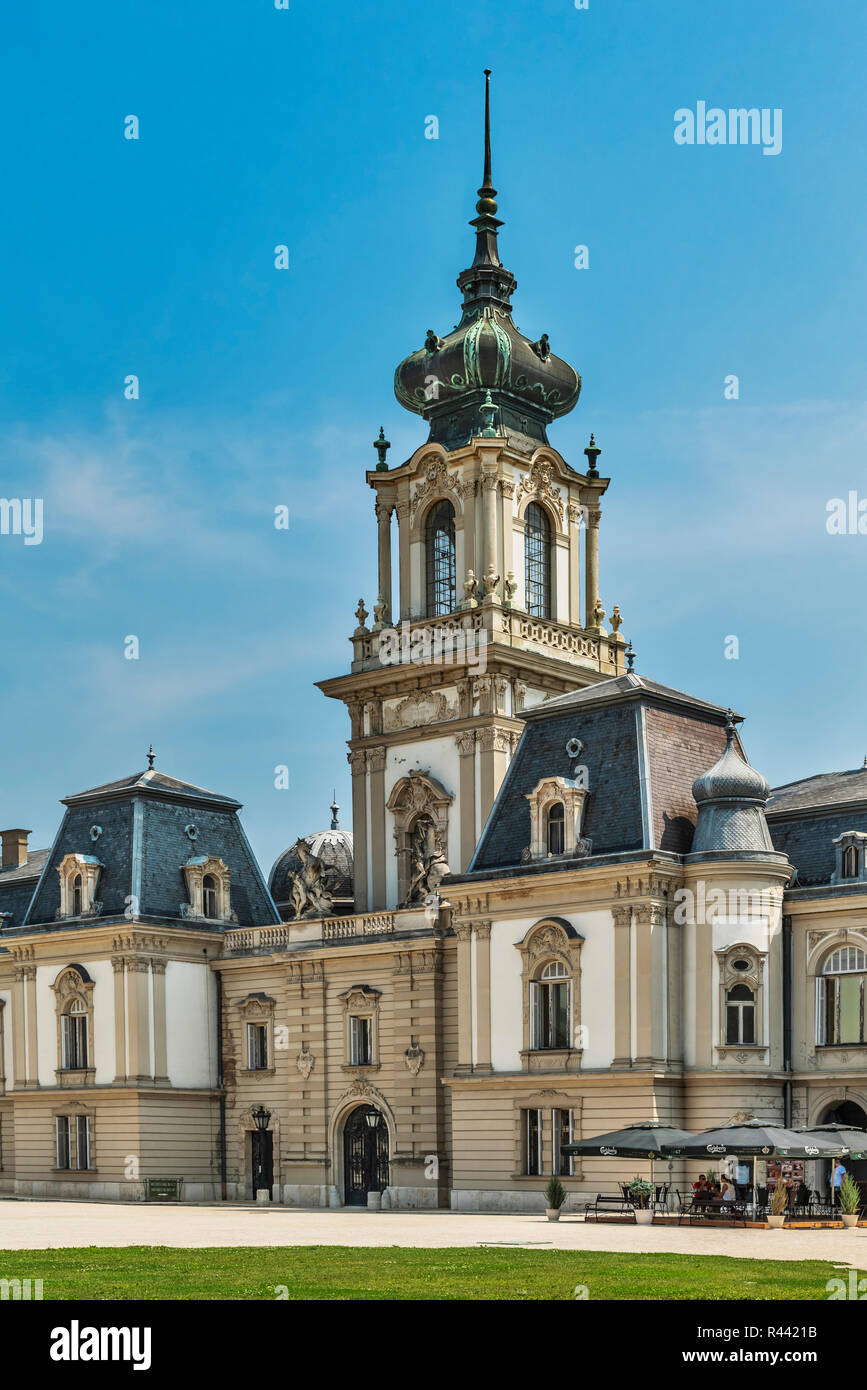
(142, 830)
(154, 783)
(825, 791)
(805, 818)
(643, 744)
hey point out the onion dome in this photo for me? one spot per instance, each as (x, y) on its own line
(447, 381)
(731, 798)
(333, 849)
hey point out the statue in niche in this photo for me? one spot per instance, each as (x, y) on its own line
(310, 897)
(427, 862)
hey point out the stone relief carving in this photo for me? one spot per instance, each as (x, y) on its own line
(428, 866)
(310, 897)
(539, 484)
(425, 707)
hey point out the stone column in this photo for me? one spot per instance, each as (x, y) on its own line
(383, 517)
(32, 1049)
(379, 848)
(358, 763)
(649, 1004)
(161, 1065)
(482, 932)
(466, 743)
(117, 965)
(19, 1058)
(464, 932)
(139, 1032)
(403, 539)
(495, 745)
(591, 567)
(622, 987)
(489, 513)
(574, 515)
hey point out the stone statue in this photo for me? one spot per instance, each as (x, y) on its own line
(381, 615)
(428, 865)
(310, 897)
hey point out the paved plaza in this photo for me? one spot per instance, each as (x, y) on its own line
(35, 1225)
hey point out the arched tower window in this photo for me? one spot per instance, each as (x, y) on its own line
(440, 559)
(556, 828)
(537, 561)
(740, 1015)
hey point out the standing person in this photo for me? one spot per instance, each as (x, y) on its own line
(839, 1174)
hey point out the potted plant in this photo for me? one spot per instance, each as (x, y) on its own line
(849, 1199)
(555, 1196)
(642, 1193)
(779, 1203)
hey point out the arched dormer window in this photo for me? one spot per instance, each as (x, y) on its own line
(556, 827)
(209, 896)
(76, 896)
(439, 546)
(840, 998)
(79, 876)
(850, 862)
(740, 1016)
(537, 561)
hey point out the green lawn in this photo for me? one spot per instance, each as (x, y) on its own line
(339, 1272)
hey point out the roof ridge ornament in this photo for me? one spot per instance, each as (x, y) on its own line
(151, 756)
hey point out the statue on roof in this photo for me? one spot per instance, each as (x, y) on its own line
(310, 897)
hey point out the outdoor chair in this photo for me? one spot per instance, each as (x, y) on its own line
(607, 1203)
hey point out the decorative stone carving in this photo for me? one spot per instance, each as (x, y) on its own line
(470, 589)
(419, 800)
(437, 480)
(362, 616)
(310, 897)
(422, 707)
(510, 588)
(490, 583)
(538, 485)
(414, 1059)
(428, 866)
(305, 1062)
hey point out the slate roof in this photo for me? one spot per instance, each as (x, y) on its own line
(154, 782)
(142, 830)
(644, 746)
(826, 789)
(805, 818)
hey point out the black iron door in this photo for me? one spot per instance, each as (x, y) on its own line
(365, 1155)
(263, 1160)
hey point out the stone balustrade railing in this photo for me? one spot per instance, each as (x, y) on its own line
(308, 930)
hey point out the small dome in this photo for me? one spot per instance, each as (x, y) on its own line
(731, 778)
(333, 848)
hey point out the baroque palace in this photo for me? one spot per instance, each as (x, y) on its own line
(568, 902)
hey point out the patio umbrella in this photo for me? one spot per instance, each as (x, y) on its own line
(650, 1140)
(754, 1139)
(854, 1139)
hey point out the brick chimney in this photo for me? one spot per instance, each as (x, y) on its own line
(14, 848)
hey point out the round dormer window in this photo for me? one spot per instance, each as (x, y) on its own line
(740, 964)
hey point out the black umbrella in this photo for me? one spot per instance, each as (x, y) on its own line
(649, 1140)
(754, 1139)
(854, 1139)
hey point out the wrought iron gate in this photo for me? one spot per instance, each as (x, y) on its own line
(365, 1155)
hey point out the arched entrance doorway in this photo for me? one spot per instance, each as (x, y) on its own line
(365, 1155)
(847, 1112)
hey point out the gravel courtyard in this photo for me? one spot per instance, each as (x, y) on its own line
(37, 1225)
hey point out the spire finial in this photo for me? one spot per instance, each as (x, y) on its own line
(630, 657)
(382, 446)
(487, 192)
(334, 809)
(151, 756)
(730, 727)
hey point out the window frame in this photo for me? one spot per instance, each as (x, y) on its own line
(538, 567)
(440, 561)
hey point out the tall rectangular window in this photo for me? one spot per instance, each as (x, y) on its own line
(82, 1141)
(360, 1041)
(550, 1000)
(561, 1132)
(257, 1047)
(532, 1143)
(62, 1123)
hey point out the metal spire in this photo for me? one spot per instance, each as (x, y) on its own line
(487, 222)
(151, 756)
(334, 809)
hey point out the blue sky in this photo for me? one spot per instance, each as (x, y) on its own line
(260, 387)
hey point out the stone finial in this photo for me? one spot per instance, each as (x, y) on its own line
(470, 600)
(510, 588)
(592, 452)
(488, 410)
(490, 582)
(382, 446)
(381, 615)
(362, 615)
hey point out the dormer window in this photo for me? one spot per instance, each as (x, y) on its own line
(208, 888)
(79, 878)
(556, 827)
(851, 857)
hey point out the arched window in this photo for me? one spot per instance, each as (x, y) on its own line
(209, 896)
(537, 561)
(551, 1005)
(76, 896)
(850, 862)
(74, 1036)
(556, 828)
(840, 998)
(740, 1015)
(439, 544)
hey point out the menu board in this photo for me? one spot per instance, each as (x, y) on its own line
(788, 1170)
